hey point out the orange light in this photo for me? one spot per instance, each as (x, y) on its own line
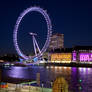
(61, 57)
(4, 86)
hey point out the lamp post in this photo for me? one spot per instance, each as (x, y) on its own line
(29, 86)
(42, 85)
(51, 83)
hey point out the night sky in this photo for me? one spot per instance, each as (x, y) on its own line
(73, 18)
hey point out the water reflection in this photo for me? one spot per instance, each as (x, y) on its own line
(60, 85)
(18, 72)
(85, 75)
(79, 79)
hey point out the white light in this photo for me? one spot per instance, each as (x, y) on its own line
(65, 67)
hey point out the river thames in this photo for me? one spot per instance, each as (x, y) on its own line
(78, 79)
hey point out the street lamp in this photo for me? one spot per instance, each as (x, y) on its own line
(42, 85)
(29, 86)
(51, 83)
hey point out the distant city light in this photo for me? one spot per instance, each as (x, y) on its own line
(80, 80)
(80, 88)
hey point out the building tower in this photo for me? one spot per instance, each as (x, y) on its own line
(57, 41)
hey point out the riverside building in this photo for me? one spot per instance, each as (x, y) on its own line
(82, 54)
(61, 56)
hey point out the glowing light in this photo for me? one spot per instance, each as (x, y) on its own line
(74, 56)
(61, 57)
(56, 67)
(52, 67)
(89, 69)
(49, 33)
(85, 57)
(65, 67)
(35, 59)
(80, 80)
(60, 67)
(80, 69)
(47, 67)
(83, 70)
(18, 72)
(80, 88)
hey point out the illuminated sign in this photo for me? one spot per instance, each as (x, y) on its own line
(85, 56)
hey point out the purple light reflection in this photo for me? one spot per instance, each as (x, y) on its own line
(19, 72)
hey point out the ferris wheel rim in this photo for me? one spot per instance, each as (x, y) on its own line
(49, 31)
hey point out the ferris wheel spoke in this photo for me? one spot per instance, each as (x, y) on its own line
(34, 45)
(37, 45)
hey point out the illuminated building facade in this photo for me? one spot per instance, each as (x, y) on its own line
(61, 56)
(57, 41)
(76, 54)
(82, 54)
(85, 57)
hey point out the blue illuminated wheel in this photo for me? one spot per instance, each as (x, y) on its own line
(49, 32)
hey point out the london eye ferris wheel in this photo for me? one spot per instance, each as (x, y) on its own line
(35, 44)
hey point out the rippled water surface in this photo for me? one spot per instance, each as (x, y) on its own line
(78, 79)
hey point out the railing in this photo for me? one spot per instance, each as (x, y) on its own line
(24, 88)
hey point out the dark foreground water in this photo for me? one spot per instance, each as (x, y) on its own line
(78, 79)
